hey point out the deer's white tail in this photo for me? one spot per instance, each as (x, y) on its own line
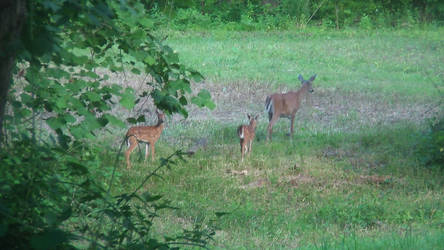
(269, 105)
(240, 132)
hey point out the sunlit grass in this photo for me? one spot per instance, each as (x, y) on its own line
(405, 62)
(306, 191)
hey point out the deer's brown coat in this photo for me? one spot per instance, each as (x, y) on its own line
(286, 105)
(146, 134)
(246, 134)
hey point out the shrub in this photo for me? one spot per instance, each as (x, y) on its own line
(50, 200)
(366, 23)
(191, 18)
(433, 153)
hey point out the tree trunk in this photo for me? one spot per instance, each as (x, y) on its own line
(12, 18)
(337, 14)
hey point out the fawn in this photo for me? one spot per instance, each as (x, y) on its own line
(286, 104)
(246, 135)
(145, 134)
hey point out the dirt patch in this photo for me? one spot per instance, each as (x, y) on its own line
(255, 184)
(326, 109)
(296, 180)
(236, 172)
(375, 179)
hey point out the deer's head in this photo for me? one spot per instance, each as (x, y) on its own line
(160, 116)
(253, 120)
(307, 83)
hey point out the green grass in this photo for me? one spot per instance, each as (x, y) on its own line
(352, 177)
(406, 62)
(315, 191)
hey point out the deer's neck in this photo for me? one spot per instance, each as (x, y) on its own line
(160, 124)
(251, 127)
(303, 89)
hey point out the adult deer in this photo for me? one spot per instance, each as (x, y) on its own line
(145, 134)
(246, 134)
(286, 104)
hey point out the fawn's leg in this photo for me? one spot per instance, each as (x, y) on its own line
(147, 145)
(152, 151)
(140, 151)
(132, 142)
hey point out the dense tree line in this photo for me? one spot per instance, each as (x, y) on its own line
(336, 12)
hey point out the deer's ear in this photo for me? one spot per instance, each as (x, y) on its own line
(249, 117)
(312, 78)
(256, 117)
(300, 78)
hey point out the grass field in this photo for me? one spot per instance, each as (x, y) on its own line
(353, 175)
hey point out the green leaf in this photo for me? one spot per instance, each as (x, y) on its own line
(178, 85)
(183, 100)
(93, 96)
(49, 239)
(51, 5)
(78, 132)
(91, 122)
(66, 214)
(131, 120)
(149, 60)
(172, 57)
(204, 94)
(141, 118)
(196, 76)
(128, 98)
(26, 99)
(76, 167)
(114, 120)
(60, 103)
(135, 71)
(91, 74)
(55, 123)
(203, 99)
(69, 118)
(146, 22)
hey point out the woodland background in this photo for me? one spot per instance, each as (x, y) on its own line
(364, 169)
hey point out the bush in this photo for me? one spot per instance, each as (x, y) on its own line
(191, 18)
(49, 199)
(366, 23)
(433, 153)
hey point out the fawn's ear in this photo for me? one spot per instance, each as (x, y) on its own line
(312, 78)
(256, 117)
(301, 78)
(249, 117)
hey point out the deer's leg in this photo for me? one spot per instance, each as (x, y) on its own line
(242, 148)
(147, 145)
(270, 125)
(292, 124)
(249, 149)
(152, 151)
(132, 142)
(140, 152)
